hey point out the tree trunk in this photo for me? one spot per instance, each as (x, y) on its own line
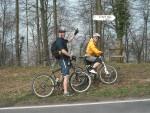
(3, 35)
(127, 46)
(55, 17)
(44, 32)
(27, 27)
(98, 24)
(91, 10)
(17, 34)
(145, 36)
(38, 34)
(12, 52)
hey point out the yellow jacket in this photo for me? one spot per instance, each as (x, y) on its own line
(92, 50)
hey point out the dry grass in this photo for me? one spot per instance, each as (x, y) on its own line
(133, 81)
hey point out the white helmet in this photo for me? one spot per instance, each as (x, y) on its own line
(62, 29)
(96, 35)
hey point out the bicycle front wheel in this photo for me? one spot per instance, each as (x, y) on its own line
(43, 85)
(80, 82)
(108, 78)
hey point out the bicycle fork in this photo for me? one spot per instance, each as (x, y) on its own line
(105, 68)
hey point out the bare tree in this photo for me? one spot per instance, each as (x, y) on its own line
(141, 8)
(86, 12)
(3, 41)
(146, 14)
(137, 45)
(6, 26)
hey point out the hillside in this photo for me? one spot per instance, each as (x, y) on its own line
(15, 90)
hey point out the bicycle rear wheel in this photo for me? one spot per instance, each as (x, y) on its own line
(43, 85)
(108, 78)
(80, 82)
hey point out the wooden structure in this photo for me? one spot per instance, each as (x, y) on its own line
(114, 55)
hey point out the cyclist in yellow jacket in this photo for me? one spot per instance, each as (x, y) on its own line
(93, 53)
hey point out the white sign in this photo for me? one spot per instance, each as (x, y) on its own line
(104, 17)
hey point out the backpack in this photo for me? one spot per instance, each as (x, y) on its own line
(54, 50)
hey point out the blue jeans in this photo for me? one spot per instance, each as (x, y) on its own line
(65, 67)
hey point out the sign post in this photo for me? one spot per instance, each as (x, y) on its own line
(104, 17)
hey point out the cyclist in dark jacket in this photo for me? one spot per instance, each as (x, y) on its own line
(64, 59)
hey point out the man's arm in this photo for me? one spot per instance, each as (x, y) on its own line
(69, 40)
(63, 51)
(75, 33)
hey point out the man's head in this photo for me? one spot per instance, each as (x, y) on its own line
(62, 32)
(96, 36)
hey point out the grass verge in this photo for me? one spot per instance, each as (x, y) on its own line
(133, 81)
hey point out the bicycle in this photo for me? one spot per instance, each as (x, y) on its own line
(107, 74)
(43, 84)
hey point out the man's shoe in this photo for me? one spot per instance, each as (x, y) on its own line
(67, 94)
(93, 71)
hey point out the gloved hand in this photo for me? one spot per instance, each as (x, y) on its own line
(102, 54)
(76, 32)
(73, 58)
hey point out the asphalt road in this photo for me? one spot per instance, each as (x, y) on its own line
(127, 106)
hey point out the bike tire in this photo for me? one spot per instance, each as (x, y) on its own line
(80, 82)
(111, 77)
(43, 85)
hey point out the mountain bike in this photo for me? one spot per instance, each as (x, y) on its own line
(106, 74)
(43, 85)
